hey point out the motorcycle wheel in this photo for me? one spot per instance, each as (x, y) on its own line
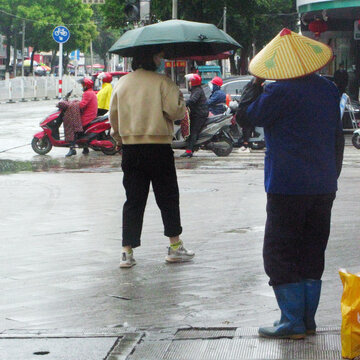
(223, 147)
(258, 145)
(111, 151)
(356, 140)
(41, 146)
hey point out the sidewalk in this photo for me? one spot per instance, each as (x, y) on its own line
(225, 343)
(60, 252)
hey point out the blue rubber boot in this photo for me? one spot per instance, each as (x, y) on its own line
(291, 301)
(312, 297)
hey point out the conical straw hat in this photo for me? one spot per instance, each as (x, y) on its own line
(290, 55)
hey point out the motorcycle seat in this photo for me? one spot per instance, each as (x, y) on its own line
(98, 119)
(213, 119)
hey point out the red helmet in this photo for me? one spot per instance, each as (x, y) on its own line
(217, 81)
(195, 79)
(86, 82)
(105, 77)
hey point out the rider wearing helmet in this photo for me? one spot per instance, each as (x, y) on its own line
(88, 109)
(104, 95)
(199, 111)
(217, 99)
(88, 103)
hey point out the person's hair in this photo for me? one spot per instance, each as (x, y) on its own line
(144, 59)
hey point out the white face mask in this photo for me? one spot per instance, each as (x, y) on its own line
(211, 86)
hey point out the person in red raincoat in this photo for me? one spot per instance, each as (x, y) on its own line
(88, 109)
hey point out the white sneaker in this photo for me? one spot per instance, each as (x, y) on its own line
(127, 260)
(244, 149)
(179, 255)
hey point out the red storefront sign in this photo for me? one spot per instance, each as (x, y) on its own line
(169, 64)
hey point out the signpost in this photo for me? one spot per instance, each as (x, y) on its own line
(61, 35)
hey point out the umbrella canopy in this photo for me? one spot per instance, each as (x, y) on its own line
(178, 38)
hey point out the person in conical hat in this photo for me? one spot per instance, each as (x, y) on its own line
(301, 118)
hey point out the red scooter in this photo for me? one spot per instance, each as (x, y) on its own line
(96, 135)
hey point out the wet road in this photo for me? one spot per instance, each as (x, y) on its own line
(61, 232)
(20, 121)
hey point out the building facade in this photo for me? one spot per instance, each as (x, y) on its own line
(337, 24)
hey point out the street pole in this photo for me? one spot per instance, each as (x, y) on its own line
(15, 53)
(174, 16)
(224, 28)
(22, 48)
(145, 11)
(60, 68)
(91, 57)
(174, 9)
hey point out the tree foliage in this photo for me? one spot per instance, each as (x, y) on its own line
(106, 36)
(251, 22)
(9, 24)
(42, 17)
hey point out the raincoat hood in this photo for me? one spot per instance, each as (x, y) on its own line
(104, 95)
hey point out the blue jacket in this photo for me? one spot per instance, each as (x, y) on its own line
(216, 100)
(303, 134)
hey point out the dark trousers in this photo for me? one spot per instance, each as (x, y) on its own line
(296, 235)
(195, 127)
(144, 164)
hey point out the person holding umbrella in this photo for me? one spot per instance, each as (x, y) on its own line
(301, 118)
(143, 108)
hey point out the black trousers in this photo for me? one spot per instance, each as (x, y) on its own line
(144, 164)
(296, 235)
(195, 127)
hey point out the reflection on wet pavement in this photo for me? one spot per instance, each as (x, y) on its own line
(98, 162)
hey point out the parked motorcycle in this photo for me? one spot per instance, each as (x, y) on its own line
(213, 136)
(257, 139)
(356, 138)
(96, 134)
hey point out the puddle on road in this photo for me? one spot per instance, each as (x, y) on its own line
(98, 163)
(245, 230)
(47, 163)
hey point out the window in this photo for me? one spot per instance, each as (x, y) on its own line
(235, 88)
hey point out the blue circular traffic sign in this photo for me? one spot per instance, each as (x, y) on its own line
(61, 34)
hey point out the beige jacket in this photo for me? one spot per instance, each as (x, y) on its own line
(143, 107)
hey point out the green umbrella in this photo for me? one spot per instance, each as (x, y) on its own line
(178, 38)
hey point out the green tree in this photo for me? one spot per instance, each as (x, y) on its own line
(255, 26)
(9, 25)
(41, 18)
(248, 21)
(114, 14)
(106, 36)
(50, 13)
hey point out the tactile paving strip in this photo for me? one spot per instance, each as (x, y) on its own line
(236, 344)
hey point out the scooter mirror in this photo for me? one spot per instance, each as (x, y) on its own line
(68, 95)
